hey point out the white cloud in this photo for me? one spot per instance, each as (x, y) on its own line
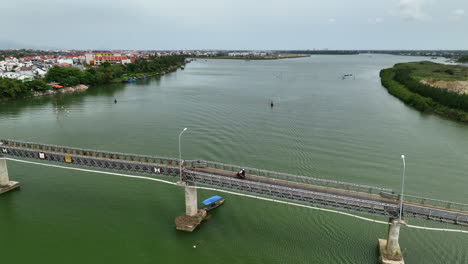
(413, 10)
(331, 20)
(458, 13)
(377, 20)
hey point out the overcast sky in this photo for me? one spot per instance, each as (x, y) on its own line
(237, 24)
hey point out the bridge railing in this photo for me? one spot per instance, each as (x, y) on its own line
(91, 153)
(293, 194)
(290, 177)
(195, 163)
(436, 203)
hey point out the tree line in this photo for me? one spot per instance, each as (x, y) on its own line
(422, 103)
(104, 74)
(463, 59)
(397, 89)
(443, 96)
(108, 73)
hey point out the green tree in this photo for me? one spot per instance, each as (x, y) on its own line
(11, 88)
(463, 59)
(37, 85)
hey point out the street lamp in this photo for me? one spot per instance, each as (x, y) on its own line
(402, 185)
(180, 156)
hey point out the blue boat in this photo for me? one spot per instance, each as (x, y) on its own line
(213, 202)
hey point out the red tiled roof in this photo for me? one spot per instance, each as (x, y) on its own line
(64, 64)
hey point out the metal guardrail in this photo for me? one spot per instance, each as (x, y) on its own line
(428, 202)
(291, 177)
(293, 194)
(436, 203)
(326, 200)
(195, 163)
(90, 152)
(422, 208)
(88, 161)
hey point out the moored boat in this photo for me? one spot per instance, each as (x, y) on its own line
(213, 202)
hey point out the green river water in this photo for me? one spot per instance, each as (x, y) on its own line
(322, 126)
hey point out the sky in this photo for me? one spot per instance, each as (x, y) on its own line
(236, 24)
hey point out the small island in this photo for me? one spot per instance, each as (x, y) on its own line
(430, 87)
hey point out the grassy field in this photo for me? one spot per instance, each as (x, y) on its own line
(426, 70)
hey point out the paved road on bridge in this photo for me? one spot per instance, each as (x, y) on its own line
(360, 198)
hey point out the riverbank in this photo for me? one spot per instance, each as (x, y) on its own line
(52, 91)
(105, 73)
(430, 87)
(137, 76)
(269, 57)
(72, 89)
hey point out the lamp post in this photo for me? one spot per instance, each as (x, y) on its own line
(180, 156)
(402, 186)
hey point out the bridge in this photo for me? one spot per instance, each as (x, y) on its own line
(345, 196)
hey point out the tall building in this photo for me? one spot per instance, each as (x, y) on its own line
(99, 58)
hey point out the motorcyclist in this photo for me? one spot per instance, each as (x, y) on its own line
(241, 174)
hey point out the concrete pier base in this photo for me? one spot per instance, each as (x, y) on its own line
(11, 186)
(5, 183)
(387, 258)
(188, 223)
(389, 249)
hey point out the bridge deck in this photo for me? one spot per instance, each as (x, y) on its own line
(297, 185)
(293, 190)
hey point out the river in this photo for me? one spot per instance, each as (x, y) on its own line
(321, 125)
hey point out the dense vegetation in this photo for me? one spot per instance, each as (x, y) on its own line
(108, 73)
(104, 74)
(442, 96)
(10, 88)
(397, 89)
(463, 59)
(403, 81)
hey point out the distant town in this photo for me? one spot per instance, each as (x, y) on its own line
(27, 65)
(37, 63)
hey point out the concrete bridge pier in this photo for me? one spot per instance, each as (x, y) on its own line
(5, 183)
(390, 252)
(193, 216)
(191, 207)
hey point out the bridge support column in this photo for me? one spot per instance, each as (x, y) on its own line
(5, 183)
(390, 252)
(193, 216)
(191, 207)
